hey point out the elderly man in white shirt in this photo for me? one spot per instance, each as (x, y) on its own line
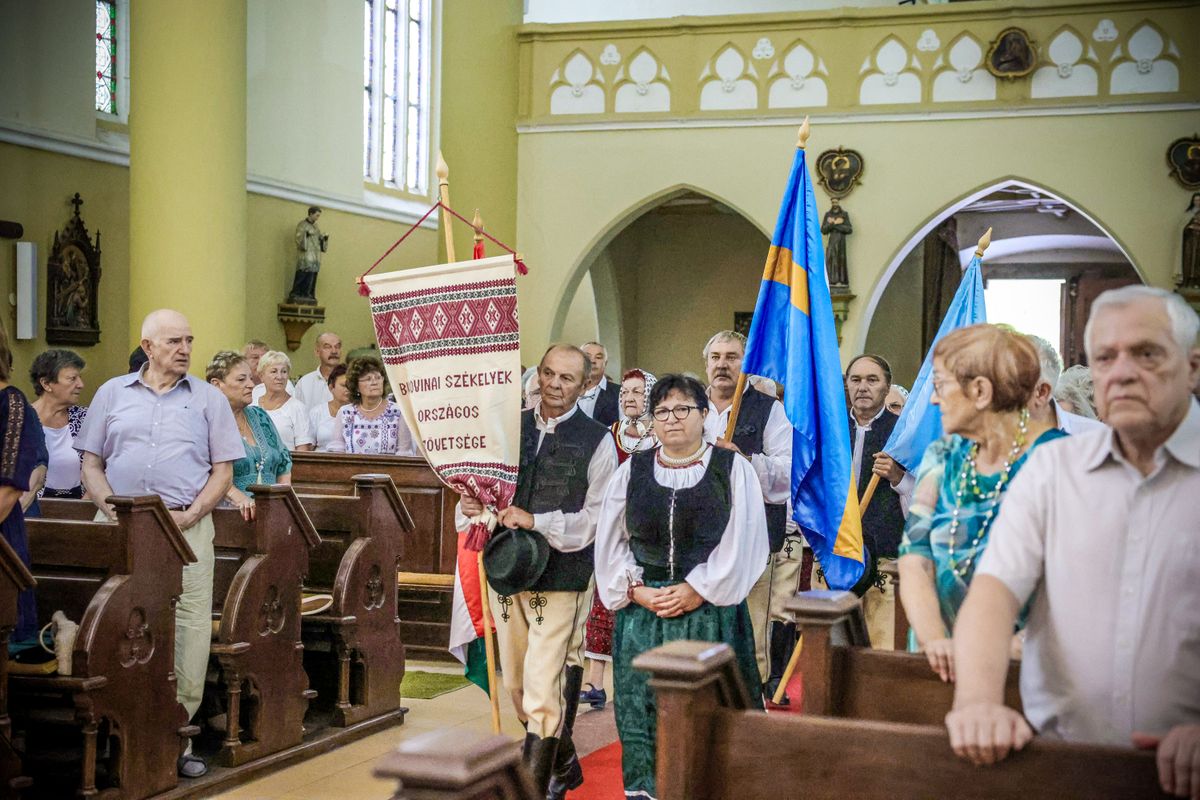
(312, 390)
(1043, 405)
(1100, 530)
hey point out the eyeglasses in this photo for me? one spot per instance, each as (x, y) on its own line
(632, 393)
(680, 412)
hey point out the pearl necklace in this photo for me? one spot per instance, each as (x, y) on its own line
(686, 461)
(366, 410)
(969, 476)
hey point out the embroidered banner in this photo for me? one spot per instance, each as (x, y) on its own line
(450, 340)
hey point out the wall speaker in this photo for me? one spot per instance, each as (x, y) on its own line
(27, 283)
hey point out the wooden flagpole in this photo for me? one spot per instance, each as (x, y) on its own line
(489, 646)
(980, 249)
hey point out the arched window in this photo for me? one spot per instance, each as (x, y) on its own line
(396, 98)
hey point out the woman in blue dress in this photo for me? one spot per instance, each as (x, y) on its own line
(267, 460)
(19, 456)
(983, 379)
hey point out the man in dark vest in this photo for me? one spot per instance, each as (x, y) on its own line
(868, 381)
(764, 435)
(540, 562)
(599, 399)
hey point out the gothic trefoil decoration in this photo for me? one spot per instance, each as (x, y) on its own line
(73, 284)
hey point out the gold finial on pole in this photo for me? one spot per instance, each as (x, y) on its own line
(984, 241)
(802, 138)
(443, 175)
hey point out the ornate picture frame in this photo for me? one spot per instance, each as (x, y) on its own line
(73, 284)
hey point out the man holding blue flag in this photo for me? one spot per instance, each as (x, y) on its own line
(793, 341)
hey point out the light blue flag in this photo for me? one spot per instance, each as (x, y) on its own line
(793, 340)
(920, 422)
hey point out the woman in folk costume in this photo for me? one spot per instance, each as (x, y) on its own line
(681, 539)
(632, 434)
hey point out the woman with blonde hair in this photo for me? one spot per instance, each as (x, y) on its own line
(983, 379)
(288, 413)
(267, 460)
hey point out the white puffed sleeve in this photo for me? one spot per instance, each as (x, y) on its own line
(726, 578)
(615, 564)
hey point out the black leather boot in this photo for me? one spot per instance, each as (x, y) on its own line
(781, 642)
(539, 758)
(568, 774)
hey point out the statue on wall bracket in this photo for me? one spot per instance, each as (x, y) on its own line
(73, 284)
(300, 312)
(838, 172)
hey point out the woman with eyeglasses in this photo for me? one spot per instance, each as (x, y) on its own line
(983, 379)
(680, 541)
(632, 433)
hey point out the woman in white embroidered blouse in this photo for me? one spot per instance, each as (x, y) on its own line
(371, 423)
(680, 541)
(289, 414)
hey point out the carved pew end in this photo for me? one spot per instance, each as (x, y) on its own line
(452, 763)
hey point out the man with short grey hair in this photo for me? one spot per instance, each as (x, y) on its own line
(162, 431)
(1098, 535)
(1043, 407)
(599, 398)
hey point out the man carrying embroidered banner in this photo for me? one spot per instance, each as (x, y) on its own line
(450, 342)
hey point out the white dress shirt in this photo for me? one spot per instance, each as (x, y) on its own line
(312, 389)
(774, 464)
(587, 400)
(568, 532)
(1074, 424)
(1112, 562)
(733, 566)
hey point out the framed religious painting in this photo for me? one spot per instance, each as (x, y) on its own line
(73, 284)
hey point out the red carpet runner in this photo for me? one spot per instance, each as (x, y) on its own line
(602, 768)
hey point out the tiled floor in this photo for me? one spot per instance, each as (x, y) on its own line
(346, 772)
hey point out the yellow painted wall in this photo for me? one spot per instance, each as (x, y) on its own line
(1109, 165)
(479, 81)
(354, 243)
(47, 65)
(37, 188)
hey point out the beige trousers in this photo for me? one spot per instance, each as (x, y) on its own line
(879, 609)
(778, 583)
(193, 616)
(540, 634)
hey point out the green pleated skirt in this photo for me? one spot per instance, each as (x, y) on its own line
(637, 630)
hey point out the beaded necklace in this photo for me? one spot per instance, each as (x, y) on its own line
(643, 429)
(686, 461)
(968, 476)
(256, 450)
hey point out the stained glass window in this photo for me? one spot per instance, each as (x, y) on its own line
(396, 96)
(106, 56)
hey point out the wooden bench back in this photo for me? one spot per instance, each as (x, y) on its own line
(433, 545)
(375, 510)
(14, 579)
(451, 764)
(844, 677)
(708, 749)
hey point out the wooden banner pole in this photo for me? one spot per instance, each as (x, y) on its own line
(443, 176)
(489, 647)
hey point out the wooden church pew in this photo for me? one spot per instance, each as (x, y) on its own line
(362, 539)
(426, 568)
(117, 708)
(844, 677)
(900, 640)
(259, 570)
(452, 763)
(14, 579)
(711, 746)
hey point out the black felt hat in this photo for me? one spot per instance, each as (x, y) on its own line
(514, 559)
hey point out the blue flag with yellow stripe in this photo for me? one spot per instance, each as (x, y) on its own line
(920, 423)
(793, 340)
